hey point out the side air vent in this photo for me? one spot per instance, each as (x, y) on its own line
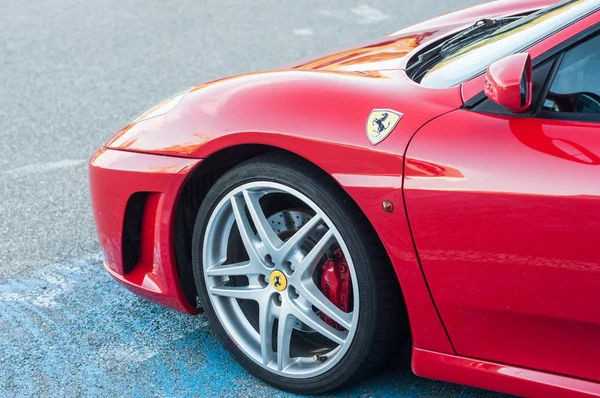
(132, 230)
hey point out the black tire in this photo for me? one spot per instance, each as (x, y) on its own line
(382, 327)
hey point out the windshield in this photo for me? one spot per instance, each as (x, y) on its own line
(472, 58)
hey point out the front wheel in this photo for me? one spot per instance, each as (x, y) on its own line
(292, 277)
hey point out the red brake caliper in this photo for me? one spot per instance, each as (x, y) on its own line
(336, 284)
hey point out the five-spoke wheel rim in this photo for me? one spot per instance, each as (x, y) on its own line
(269, 303)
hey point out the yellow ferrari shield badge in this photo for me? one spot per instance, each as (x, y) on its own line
(380, 124)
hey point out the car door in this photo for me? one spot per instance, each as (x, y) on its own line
(505, 215)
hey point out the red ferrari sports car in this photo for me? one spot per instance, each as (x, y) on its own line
(441, 183)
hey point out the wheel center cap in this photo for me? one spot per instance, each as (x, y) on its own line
(278, 280)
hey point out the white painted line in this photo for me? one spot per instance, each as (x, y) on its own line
(37, 168)
(369, 15)
(304, 32)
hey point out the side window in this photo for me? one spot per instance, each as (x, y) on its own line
(576, 85)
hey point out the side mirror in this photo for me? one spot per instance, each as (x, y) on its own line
(508, 82)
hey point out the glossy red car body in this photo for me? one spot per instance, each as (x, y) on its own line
(494, 233)
(503, 87)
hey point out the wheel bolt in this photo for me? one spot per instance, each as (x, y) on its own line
(294, 293)
(269, 261)
(263, 280)
(277, 300)
(288, 267)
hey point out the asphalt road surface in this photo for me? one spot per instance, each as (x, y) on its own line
(71, 73)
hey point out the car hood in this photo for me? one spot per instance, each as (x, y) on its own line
(393, 51)
(320, 101)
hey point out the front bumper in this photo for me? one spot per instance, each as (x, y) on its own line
(115, 177)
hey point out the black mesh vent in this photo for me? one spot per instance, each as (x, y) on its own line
(132, 230)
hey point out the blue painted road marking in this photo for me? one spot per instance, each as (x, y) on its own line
(68, 329)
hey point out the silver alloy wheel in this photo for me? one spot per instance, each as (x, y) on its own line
(280, 275)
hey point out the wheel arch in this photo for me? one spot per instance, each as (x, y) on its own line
(190, 197)
(365, 176)
(199, 182)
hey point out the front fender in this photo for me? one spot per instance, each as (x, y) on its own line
(310, 113)
(321, 117)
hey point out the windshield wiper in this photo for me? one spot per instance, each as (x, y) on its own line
(476, 31)
(479, 27)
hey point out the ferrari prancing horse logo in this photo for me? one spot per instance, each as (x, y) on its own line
(380, 124)
(278, 280)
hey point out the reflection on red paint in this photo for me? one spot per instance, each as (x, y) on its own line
(420, 168)
(553, 139)
(500, 377)
(380, 52)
